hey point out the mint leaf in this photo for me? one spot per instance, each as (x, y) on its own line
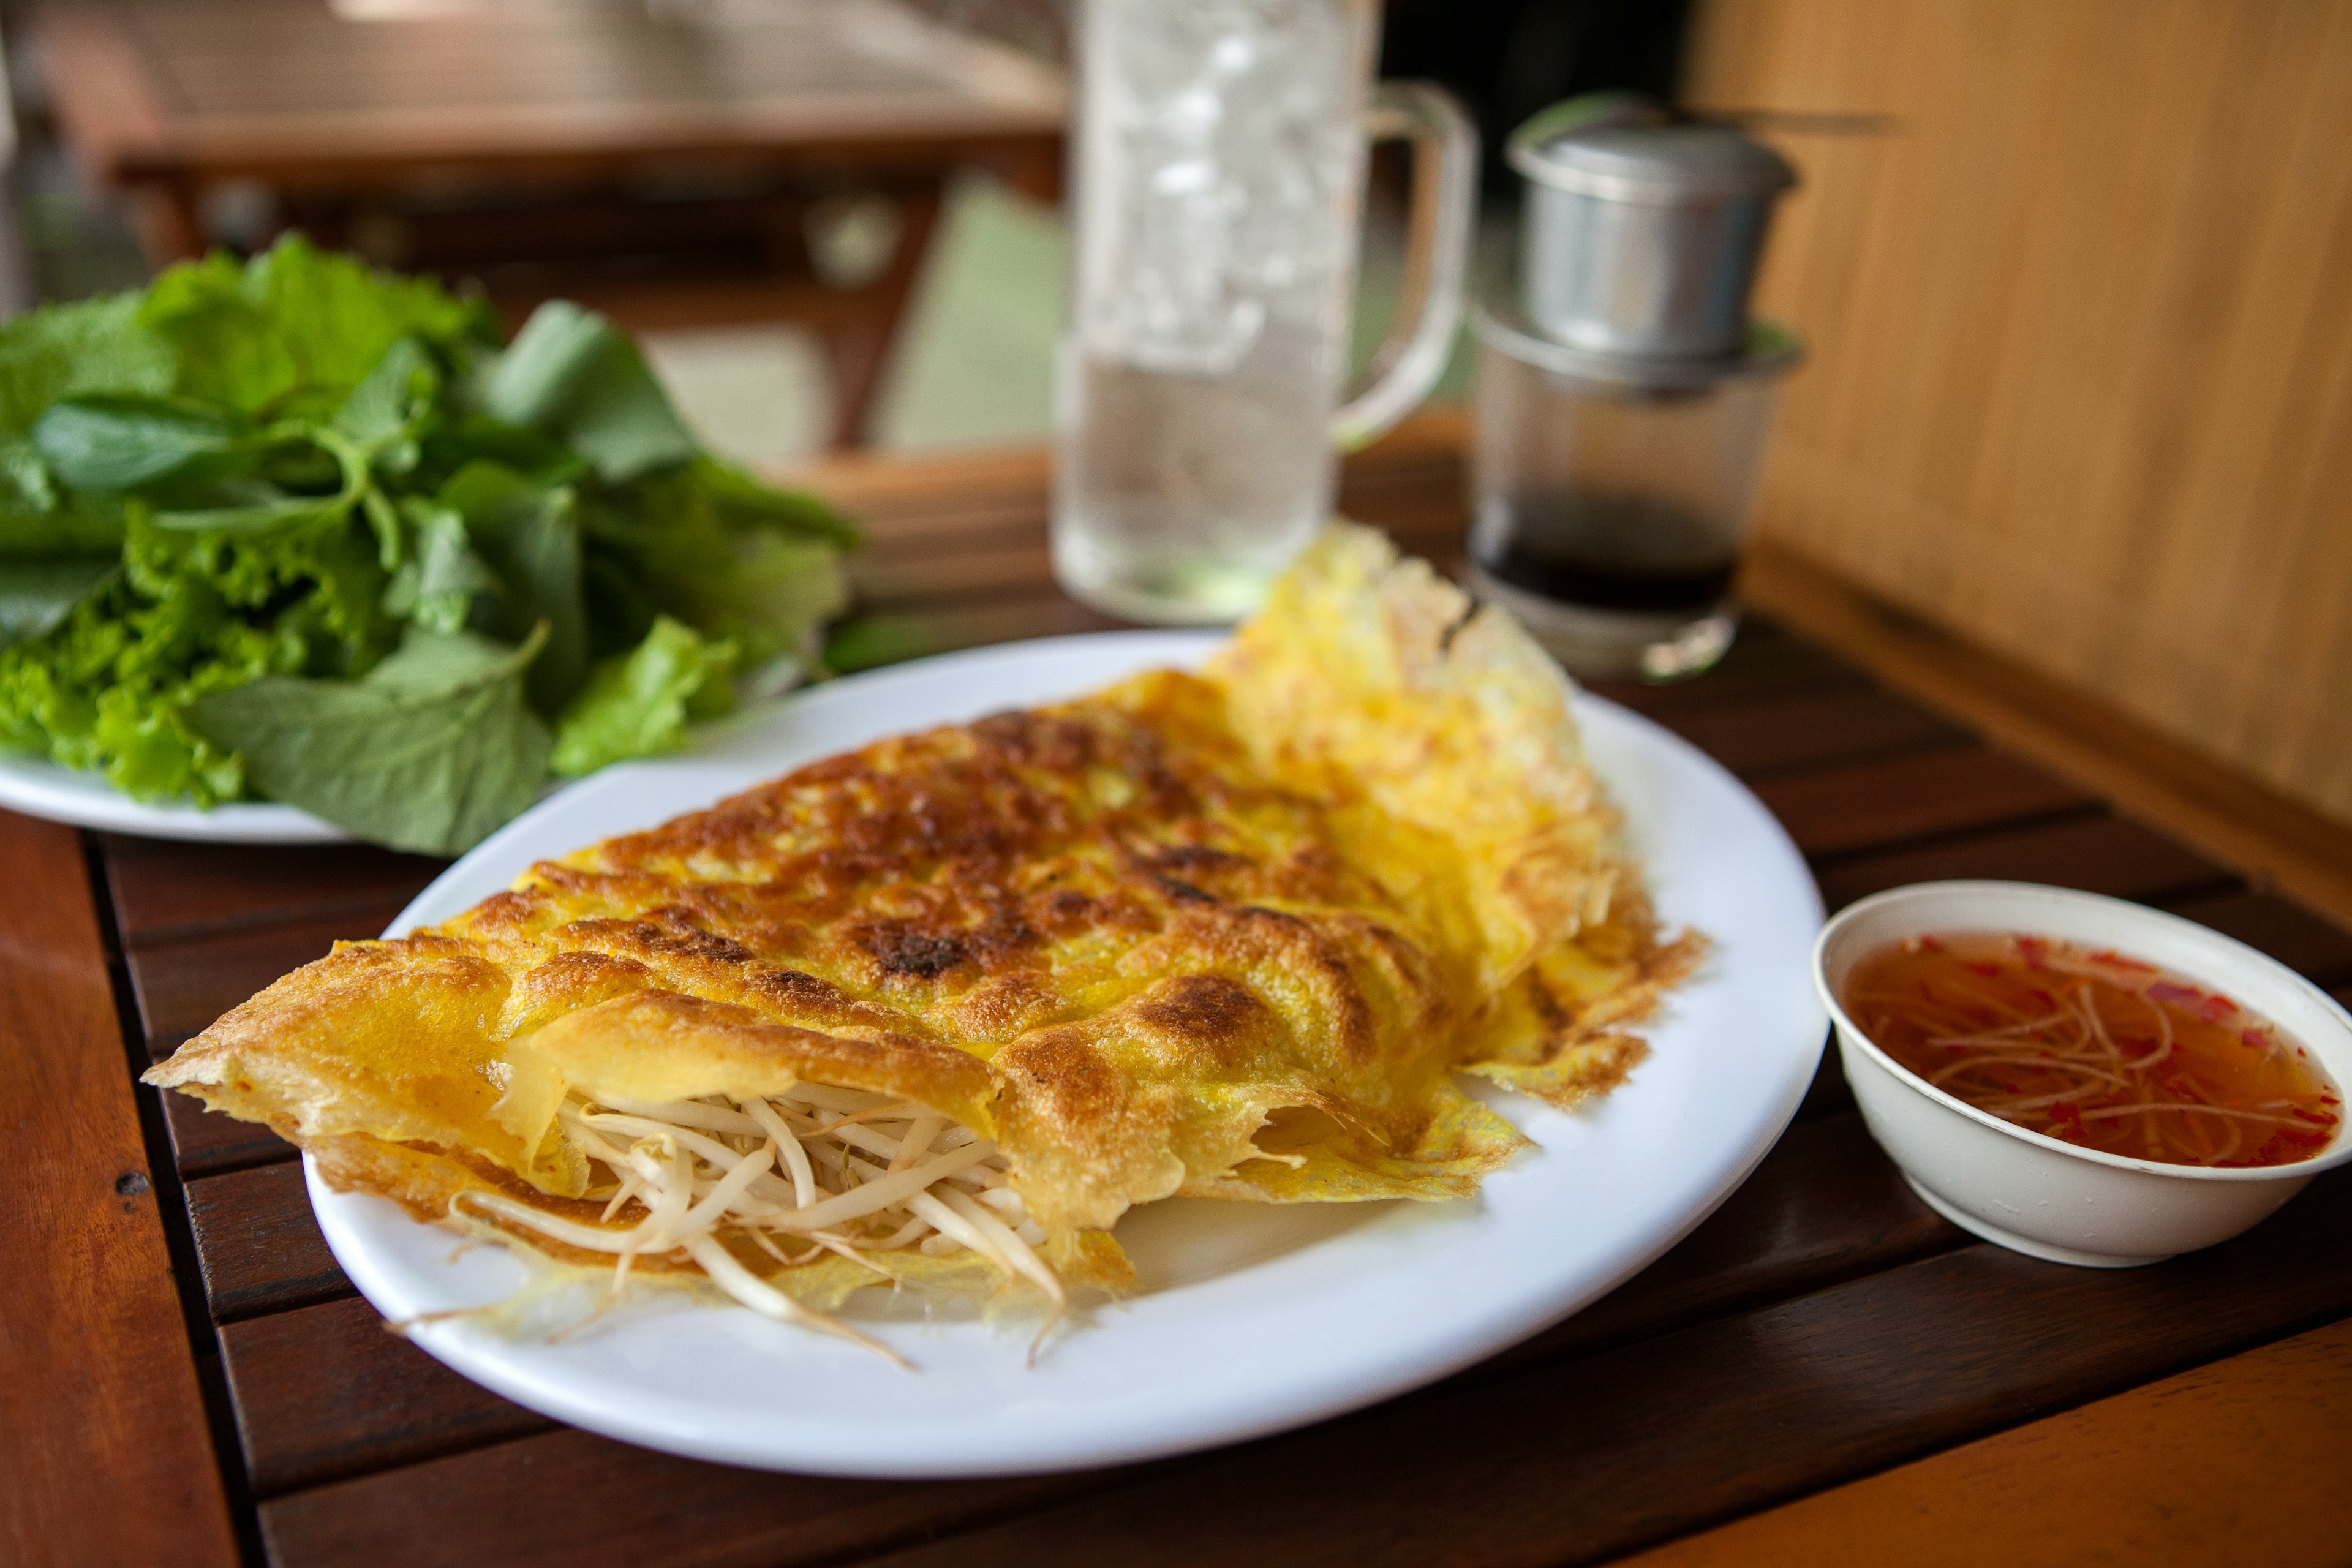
(575, 375)
(449, 446)
(262, 507)
(431, 750)
(639, 705)
(693, 547)
(528, 535)
(437, 589)
(384, 411)
(117, 441)
(744, 502)
(40, 520)
(36, 596)
(277, 514)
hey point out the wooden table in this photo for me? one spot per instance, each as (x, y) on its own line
(658, 162)
(186, 1375)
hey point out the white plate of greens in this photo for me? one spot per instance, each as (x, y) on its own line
(39, 788)
(292, 550)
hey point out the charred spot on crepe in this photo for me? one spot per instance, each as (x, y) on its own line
(1230, 934)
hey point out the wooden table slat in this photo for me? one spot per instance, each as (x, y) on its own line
(327, 1391)
(2241, 1459)
(1567, 1461)
(1887, 800)
(1577, 1461)
(1811, 730)
(206, 1143)
(164, 890)
(1733, 684)
(563, 1496)
(109, 1455)
(1823, 1207)
(2278, 926)
(259, 1244)
(2100, 854)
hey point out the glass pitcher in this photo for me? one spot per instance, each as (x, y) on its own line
(1218, 166)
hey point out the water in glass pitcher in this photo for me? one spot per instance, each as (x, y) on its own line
(1220, 149)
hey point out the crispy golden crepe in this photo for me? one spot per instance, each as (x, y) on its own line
(1230, 935)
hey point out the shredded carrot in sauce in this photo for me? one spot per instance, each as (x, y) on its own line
(2093, 1048)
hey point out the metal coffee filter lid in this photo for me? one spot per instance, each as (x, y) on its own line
(1622, 157)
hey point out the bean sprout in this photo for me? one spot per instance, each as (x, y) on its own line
(686, 1175)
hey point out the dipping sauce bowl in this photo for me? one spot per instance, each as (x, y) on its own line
(2039, 1195)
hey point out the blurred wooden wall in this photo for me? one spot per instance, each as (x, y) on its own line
(2079, 309)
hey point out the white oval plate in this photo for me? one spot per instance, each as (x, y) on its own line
(39, 787)
(1253, 1318)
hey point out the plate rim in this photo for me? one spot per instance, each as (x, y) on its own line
(40, 787)
(1381, 1372)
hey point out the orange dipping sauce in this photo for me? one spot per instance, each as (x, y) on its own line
(2095, 1049)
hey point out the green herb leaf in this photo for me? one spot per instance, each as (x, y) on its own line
(744, 502)
(263, 475)
(576, 377)
(437, 588)
(107, 690)
(63, 351)
(724, 569)
(272, 511)
(117, 441)
(36, 596)
(639, 705)
(295, 330)
(278, 515)
(529, 536)
(870, 641)
(384, 413)
(449, 446)
(432, 751)
(38, 521)
(396, 394)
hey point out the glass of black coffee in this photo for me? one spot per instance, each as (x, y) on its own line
(1609, 498)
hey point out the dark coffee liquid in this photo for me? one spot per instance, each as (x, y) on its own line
(1607, 552)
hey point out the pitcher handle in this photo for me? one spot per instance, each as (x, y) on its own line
(1437, 254)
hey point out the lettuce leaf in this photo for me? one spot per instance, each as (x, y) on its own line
(293, 331)
(107, 687)
(63, 351)
(639, 705)
(66, 351)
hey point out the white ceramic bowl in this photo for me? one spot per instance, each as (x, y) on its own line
(2037, 1194)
